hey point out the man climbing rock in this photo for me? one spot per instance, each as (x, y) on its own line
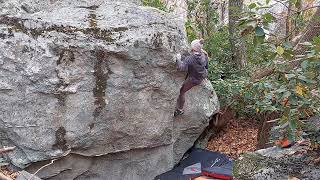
(196, 65)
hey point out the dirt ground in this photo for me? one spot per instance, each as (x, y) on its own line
(237, 137)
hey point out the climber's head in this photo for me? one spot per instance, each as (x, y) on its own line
(197, 45)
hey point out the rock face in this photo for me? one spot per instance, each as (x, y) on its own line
(275, 163)
(93, 84)
(24, 175)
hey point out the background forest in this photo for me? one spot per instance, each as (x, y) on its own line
(264, 56)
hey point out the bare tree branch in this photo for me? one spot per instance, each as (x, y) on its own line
(296, 11)
(311, 31)
(52, 161)
(265, 73)
(5, 150)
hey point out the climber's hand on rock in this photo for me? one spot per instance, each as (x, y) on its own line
(178, 57)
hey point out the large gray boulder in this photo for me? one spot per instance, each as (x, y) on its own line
(24, 175)
(94, 84)
(277, 164)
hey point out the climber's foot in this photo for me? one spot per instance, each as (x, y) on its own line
(178, 112)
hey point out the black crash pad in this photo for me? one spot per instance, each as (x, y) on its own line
(209, 161)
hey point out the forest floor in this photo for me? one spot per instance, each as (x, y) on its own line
(237, 137)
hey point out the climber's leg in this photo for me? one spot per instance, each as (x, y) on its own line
(186, 86)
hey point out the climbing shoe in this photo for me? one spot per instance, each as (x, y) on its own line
(178, 112)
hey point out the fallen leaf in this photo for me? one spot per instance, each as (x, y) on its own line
(300, 90)
(238, 137)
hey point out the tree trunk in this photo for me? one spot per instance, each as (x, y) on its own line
(295, 22)
(238, 47)
(288, 21)
(223, 11)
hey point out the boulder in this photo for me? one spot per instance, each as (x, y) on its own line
(24, 175)
(276, 163)
(283, 163)
(94, 85)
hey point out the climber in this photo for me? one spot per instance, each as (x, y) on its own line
(196, 65)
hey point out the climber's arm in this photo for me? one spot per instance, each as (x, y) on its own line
(182, 63)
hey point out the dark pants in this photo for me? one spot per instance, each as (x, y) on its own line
(186, 86)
